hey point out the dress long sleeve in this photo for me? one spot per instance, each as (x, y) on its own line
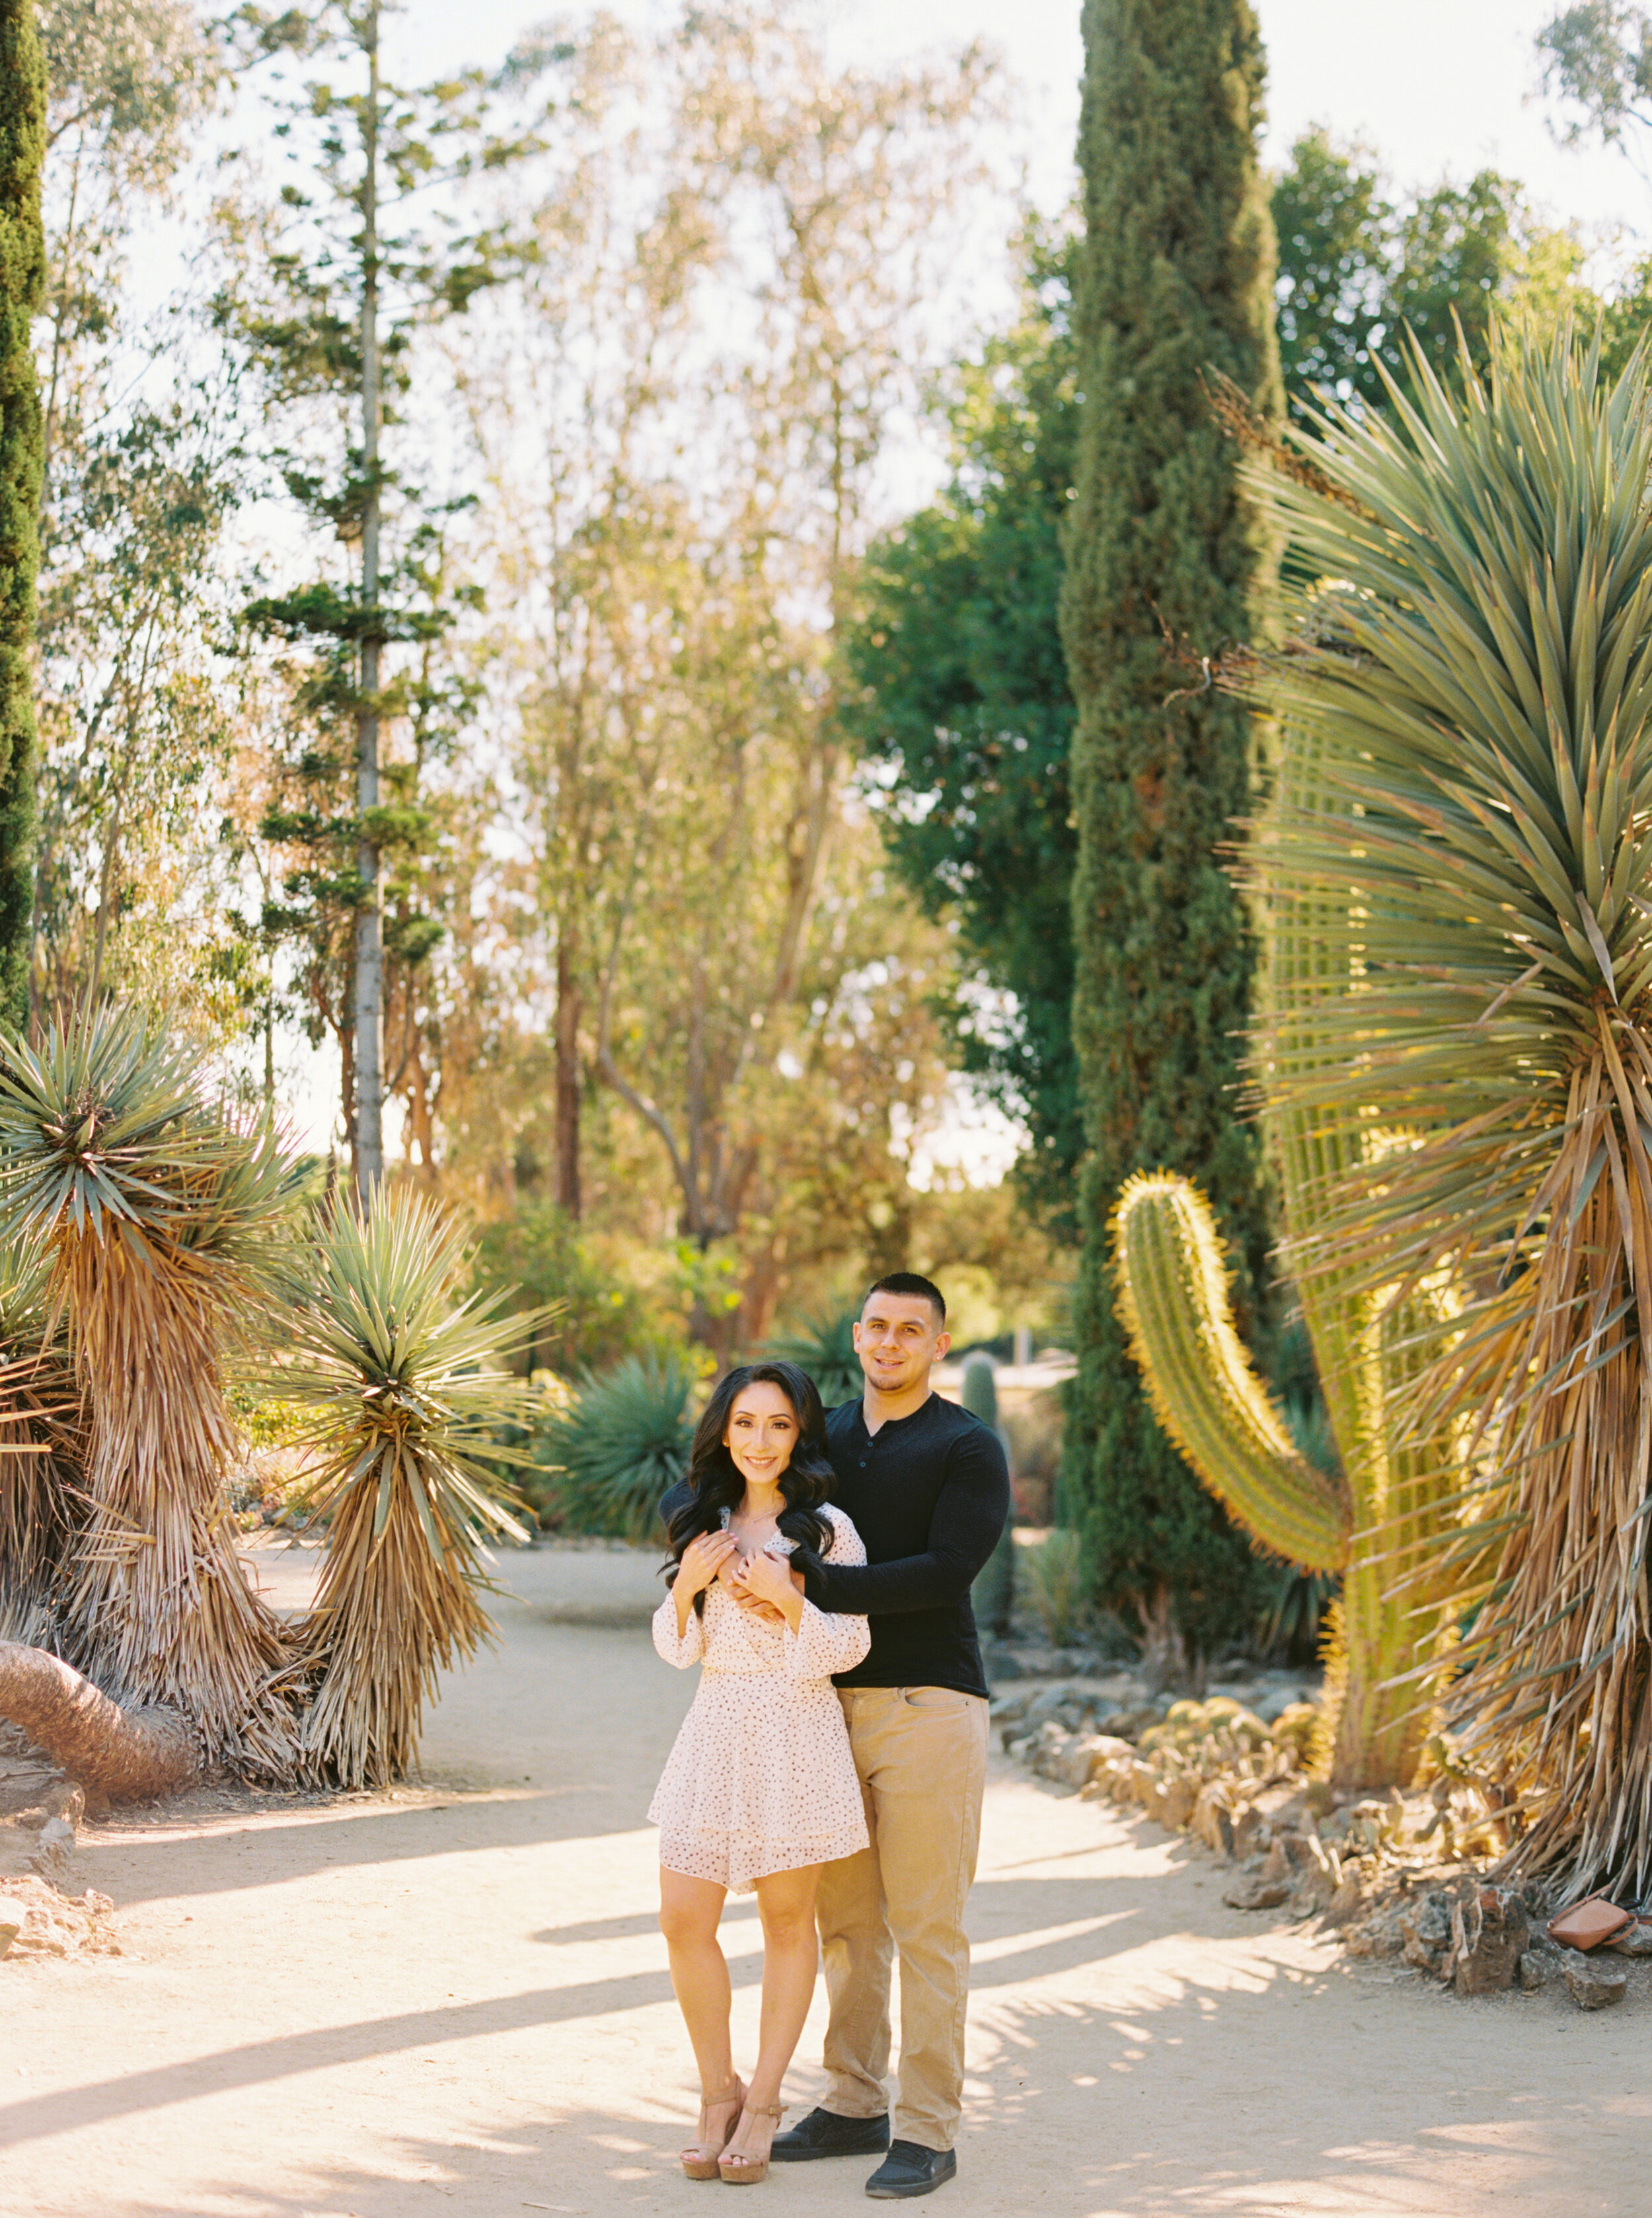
(828, 1641)
(692, 1644)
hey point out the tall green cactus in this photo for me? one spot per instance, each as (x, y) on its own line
(1368, 1521)
(993, 1596)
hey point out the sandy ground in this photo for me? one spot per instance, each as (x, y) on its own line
(452, 1999)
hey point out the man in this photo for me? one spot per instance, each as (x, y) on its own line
(928, 1492)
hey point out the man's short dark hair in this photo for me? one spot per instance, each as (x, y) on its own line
(915, 1287)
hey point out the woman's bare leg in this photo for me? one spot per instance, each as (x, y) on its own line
(689, 1912)
(790, 1960)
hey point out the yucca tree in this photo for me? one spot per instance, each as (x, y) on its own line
(1477, 672)
(408, 1391)
(153, 1215)
(42, 1451)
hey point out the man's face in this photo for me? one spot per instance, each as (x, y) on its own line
(897, 1339)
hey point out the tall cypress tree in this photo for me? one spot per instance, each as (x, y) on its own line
(22, 277)
(1175, 281)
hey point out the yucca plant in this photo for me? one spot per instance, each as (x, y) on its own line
(154, 1217)
(42, 1451)
(407, 1390)
(621, 1443)
(824, 1346)
(1480, 689)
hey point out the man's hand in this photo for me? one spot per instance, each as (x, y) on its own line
(764, 1612)
(772, 1581)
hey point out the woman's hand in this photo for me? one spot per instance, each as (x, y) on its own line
(767, 1579)
(702, 1559)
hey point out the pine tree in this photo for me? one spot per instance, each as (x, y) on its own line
(23, 276)
(1175, 279)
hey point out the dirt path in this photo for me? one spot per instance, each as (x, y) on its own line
(455, 2001)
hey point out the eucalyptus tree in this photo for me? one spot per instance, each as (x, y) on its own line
(140, 473)
(731, 296)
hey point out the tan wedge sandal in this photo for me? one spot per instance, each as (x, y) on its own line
(700, 2158)
(740, 2171)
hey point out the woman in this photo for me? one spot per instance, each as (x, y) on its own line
(760, 1789)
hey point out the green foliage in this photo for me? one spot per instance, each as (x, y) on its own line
(23, 276)
(824, 1346)
(619, 1446)
(1597, 58)
(1054, 1579)
(583, 1317)
(958, 700)
(1358, 270)
(1174, 282)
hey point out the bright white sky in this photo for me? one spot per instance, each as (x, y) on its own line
(1436, 86)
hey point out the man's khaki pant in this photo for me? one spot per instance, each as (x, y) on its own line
(921, 1754)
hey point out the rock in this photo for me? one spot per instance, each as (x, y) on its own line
(1535, 1969)
(1346, 1905)
(1634, 1940)
(68, 1802)
(1255, 1890)
(1424, 1928)
(1490, 1933)
(1592, 1982)
(1075, 1759)
(53, 1858)
(43, 1923)
(1380, 1935)
(1130, 1723)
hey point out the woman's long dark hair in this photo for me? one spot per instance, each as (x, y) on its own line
(717, 1484)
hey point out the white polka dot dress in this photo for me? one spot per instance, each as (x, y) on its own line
(761, 1779)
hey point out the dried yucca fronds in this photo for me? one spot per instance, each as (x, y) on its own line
(155, 1216)
(42, 1453)
(407, 1392)
(1482, 867)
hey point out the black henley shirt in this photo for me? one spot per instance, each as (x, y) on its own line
(929, 1495)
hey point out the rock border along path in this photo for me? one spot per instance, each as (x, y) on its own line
(452, 1999)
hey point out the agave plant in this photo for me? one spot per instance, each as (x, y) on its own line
(621, 1443)
(1480, 690)
(406, 1391)
(153, 1218)
(824, 1346)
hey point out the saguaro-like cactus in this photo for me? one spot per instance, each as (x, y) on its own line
(1370, 1520)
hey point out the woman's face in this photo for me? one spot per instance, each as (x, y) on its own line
(762, 1433)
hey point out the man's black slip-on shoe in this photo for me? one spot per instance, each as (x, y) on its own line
(823, 2133)
(909, 2170)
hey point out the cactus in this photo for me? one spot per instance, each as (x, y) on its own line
(1371, 1520)
(993, 1596)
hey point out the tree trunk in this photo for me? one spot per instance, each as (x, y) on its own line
(116, 1754)
(369, 918)
(568, 1081)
